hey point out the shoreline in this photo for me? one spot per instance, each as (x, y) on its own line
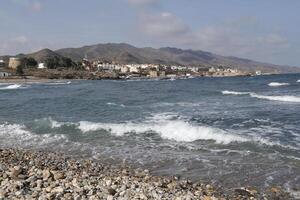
(31, 79)
(30, 174)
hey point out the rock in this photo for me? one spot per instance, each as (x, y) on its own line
(108, 182)
(110, 197)
(57, 175)
(46, 174)
(2, 194)
(275, 190)
(18, 193)
(48, 189)
(57, 190)
(143, 196)
(68, 196)
(122, 193)
(15, 171)
(111, 191)
(123, 188)
(243, 192)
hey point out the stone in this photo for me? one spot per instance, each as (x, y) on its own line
(57, 175)
(46, 174)
(108, 182)
(18, 193)
(243, 192)
(111, 191)
(57, 190)
(275, 190)
(15, 171)
(122, 193)
(2, 194)
(110, 197)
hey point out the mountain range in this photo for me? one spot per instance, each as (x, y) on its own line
(128, 54)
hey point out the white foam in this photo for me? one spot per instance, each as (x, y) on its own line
(298, 81)
(284, 98)
(182, 104)
(51, 123)
(59, 83)
(276, 84)
(114, 104)
(16, 134)
(177, 130)
(228, 92)
(11, 87)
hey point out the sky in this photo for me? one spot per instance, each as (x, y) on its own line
(262, 30)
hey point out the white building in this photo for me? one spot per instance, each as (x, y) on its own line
(4, 74)
(2, 63)
(42, 66)
(133, 68)
(124, 69)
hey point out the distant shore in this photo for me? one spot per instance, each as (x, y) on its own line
(23, 81)
(27, 174)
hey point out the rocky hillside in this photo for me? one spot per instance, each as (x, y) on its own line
(125, 53)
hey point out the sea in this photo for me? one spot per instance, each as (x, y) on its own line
(233, 131)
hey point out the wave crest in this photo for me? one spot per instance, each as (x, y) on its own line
(18, 135)
(177, 130)
(234, 92)
(276, 84)
(12, 87)
(284, 98)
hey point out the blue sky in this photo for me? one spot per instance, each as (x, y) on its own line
(263, 30)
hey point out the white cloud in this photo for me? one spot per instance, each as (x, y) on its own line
(240, 37)
(20, 39)
(162, 25)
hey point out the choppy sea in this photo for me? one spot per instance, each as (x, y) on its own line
(238, 131)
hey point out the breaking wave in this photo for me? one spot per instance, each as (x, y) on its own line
(298, 81)
(234, 93)
(276, 84)
(16, 134)
(114, 104)
(59, 83)
(12, 87)
(177, 130)
(48, 132)
(284, 98)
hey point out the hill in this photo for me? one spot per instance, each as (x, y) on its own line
(128, 54)
(125, 53)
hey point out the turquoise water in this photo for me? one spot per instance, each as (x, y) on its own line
(236, 131)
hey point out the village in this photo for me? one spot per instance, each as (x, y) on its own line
(99, 69)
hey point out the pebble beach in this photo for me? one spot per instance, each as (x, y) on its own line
(28, 174)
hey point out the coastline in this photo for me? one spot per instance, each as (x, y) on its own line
(24, 81)
(33, 174)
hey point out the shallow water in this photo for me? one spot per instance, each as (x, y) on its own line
(236, 131)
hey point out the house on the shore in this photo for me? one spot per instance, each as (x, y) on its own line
(153, 74)
(42, 66)
(4, 74)
(2, 63)
(14, 62)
